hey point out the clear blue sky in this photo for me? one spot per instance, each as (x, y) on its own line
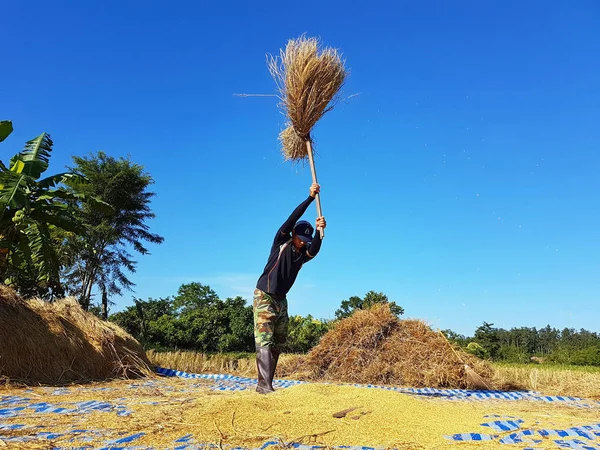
(463, 181)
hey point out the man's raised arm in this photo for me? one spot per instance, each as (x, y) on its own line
(288, 225)
(315, 246)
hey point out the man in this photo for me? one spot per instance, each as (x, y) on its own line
(293, 246)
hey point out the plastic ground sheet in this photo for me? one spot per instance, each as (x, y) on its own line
(196, 411)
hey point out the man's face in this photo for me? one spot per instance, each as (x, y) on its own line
(298, 243)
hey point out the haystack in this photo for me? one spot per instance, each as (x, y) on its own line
(374, 347)
(59, 343)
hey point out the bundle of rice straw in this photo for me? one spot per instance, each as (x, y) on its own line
(59, 343)
(374, 347)
(308, 80)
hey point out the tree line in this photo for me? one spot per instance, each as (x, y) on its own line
(529, 344)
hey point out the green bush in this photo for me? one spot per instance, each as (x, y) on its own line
(510, 353)
(586, 357)
(475, 349)
(304, 333)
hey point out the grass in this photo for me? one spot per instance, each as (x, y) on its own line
(552, 379)
(576, 381)
(197, 362)
(548, 367)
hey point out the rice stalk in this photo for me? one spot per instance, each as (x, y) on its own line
(308, 79)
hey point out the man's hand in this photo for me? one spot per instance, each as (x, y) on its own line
(320, 223)
(314, 190)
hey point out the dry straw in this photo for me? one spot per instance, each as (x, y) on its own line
(308, 79)
(59, 343)
(473, 378)
(374, 346)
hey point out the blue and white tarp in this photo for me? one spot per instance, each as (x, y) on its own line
(504, 430)
(237, 383)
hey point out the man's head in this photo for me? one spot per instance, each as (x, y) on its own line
(302, 234)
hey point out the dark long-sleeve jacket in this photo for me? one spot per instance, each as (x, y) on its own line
(285, 261)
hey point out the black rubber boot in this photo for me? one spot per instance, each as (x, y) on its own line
(275, 352)
(265, 363)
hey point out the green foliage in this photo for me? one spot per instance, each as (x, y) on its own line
(129, 320)
(349, 306)
(32, 212)
(196, 319)
(562, 355)
(100, 257)
(587, 357)
(193, 296)
(511, 353)
(489, 338)
(222, 326)
(240, 319)
(304, 333)
(458, 339)
(519, 345)
(6, 128)
(523, 339)
(475, 349)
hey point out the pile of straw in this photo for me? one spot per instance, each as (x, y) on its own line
(58, 343)
(308, 80)
(374, 346)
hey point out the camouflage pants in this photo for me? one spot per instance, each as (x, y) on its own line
(270, 319)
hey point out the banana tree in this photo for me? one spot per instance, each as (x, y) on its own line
(32, 209)
(5, 129)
